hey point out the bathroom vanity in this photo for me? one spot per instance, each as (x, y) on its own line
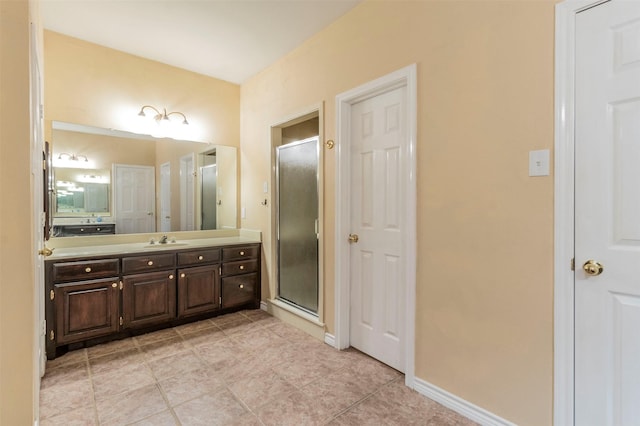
(109, 292)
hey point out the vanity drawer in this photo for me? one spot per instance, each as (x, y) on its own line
(241, 267)
(153, 262)
(237, 253)
(239, 290)
(85, 270)
(198, 257)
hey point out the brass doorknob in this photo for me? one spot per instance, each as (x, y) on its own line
(353, 238)
(45, 251)
(593, 268)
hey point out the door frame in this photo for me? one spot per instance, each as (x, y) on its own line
(405, 77)
(312, 324)
(564, 211)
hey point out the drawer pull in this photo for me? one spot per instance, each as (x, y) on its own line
(182, 275)
(114, 285)
(241, 253)
(87, 269)
(171, 276)
(200, 257)
(241, 286)
(150, 262)
(241, 267)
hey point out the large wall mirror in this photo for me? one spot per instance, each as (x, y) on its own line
(140, 184)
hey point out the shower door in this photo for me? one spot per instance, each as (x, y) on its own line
(209, 176)
(297, 223)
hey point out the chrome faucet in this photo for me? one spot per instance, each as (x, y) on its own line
(163, 240)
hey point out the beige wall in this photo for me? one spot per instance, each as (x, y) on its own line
(93, 85)
(485, 228)
(17, 312)
(102, 150)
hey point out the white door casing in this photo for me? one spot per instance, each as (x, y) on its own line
(401, 163)
(607, 217)
(564, 214)
(134, 198)
(187, 192)
(38, 216)
(165, 197)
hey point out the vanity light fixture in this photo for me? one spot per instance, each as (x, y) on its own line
(162, 117)
(72, 157)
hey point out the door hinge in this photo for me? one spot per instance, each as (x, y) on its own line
(121, 321)
(41, 112)
(573, 264)
(52, 294)
(52, 335)
(220, 300)
(219, 270)
(121, 285)
(44, 164)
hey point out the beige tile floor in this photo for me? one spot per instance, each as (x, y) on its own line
(246, 368)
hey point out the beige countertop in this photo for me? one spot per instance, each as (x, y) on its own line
(145, 247)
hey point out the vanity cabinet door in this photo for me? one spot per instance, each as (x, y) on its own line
(86, 309)
(198, 290)
(148, 299)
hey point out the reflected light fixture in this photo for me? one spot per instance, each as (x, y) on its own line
(72, 157)
(162, 117)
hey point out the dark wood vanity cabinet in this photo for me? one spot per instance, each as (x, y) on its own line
(84, 299)
(240, 276)
(198, 281)
(96, 299)
(88, 229)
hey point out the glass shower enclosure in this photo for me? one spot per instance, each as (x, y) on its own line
(297, 223)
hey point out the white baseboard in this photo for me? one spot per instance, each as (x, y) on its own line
(330, 339)
(459, 405)
(264, 306)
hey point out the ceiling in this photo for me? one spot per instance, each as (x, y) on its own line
(227, 39)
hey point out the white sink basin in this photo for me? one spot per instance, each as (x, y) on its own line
(165, 246)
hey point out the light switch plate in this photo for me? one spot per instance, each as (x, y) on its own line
(243, 213)
(265, 187)
(539, 162)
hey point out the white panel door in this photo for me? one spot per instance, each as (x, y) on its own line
(134, 195)
(165, 197)
(187, 193)
(607, 223)
(377, 278)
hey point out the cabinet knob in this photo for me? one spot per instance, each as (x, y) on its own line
(81, 229)
(241, 267)
(182, 275)
(171, 276)
(241, 286)
(114, 285)
(150, 262)
(87, 269)
(97, 229)
(241, 253)
(200, 257)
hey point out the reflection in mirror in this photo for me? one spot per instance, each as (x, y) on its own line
(82, 191)
(139, 183)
